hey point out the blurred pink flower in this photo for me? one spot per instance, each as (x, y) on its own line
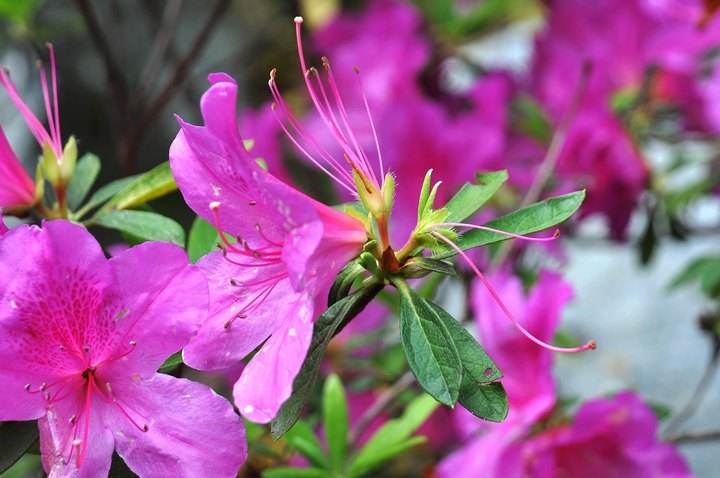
(608, 437)
(263, 288)
(16, 187)
(599, 154)
(81, 338)
(384, 41)
(527, 369)
(619, 41)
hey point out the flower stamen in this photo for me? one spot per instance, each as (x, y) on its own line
(591, 345)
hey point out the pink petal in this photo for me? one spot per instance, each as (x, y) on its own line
(192, 431)
(481, 456)
(219, 345)
(53, 286)
(3, 227)
(263, 128)
(57, 434)
(162, 301)
(267, 380)
(16, 187)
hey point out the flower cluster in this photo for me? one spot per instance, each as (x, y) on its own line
(97, 349)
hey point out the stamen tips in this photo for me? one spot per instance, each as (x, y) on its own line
(215, 205)
(298, 20)
(592, 345)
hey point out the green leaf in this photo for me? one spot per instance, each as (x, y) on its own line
(335, 421)
(478, 394)
(203, 239)
(15, 440)
(384, 455)
(86, 172)
(471, 197)
(393, 434)
(149, 226)
(420, 266)
(303, 439)
(533, 218)
(429, 348)
(706, 271)
(531, 119)
(18, 11)
(289, 472)
(105, 193)
(325, 328)
(155, 183)
(486, 401)
(344, 281)
(477, 364)
(424, 195)
(173, 361)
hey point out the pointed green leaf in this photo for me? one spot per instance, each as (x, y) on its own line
(335, 421)
(203, 239)
(145, 225)
(477, 365)
(534, 218)
(325, 328)
(478, 394)
(288, 472)
(384, 455)
(393, 434)
(421, 266)
(155, 183)
(344, 281)
(487, 401)
(472, 197)
(105, 193)
(531, 119)
(173, 361)
(15, 440)
(303, 439)
(424, 193)
(83, 178)
(705, 270)
(429, 348)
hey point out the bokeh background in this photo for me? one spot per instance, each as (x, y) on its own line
(459, 86)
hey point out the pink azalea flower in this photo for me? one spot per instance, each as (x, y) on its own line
(330, 108)
(269, 286)
(16, 187)
(527, 369)
(81, 338)
(608, 437)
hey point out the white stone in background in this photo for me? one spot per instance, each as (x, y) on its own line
(648, 338)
